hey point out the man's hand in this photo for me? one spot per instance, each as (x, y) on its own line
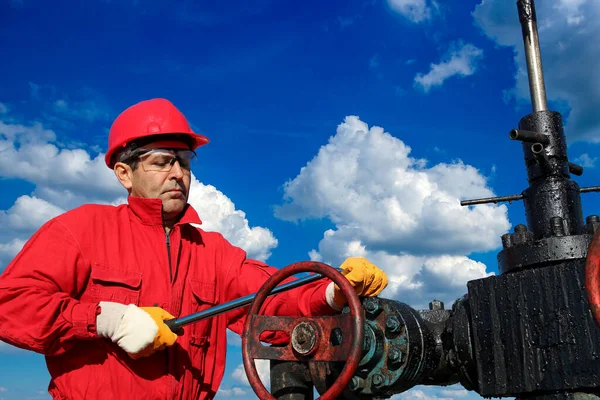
(140, 331)
(364, 276)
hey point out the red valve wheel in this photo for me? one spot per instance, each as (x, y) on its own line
(309, 336)
(592, 275)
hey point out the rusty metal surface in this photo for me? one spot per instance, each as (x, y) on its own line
(349, 347)
(321, 350)
(592, 276)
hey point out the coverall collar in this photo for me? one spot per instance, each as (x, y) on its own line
(149, 211)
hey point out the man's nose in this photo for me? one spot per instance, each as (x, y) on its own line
(176, 170)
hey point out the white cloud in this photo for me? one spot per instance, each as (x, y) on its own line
(568, 32)
(461, 60)
(233, 392)
(393, 209)
(8, 250)
(416, 394)
(262, 367)
(586, 161)
(67, 178)
(218, 213)
(454, 393)
(233, 339)
(62, 176)
(28, 214)
(414, 10)
(3, 108)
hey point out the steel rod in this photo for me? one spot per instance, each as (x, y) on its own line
(533, 57)
(177, 323)
(491, 200)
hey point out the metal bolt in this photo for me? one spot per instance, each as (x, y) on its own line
(557, 226)
(392, 324)
(507, 240)
(592, 218)
(592, 222)
(301, 338)
(520, 228)
(378, 380)
(367, 343)
(371, 306)
(357, 383)
(436, 305)
(395, 354)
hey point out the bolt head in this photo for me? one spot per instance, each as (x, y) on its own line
(394, 355)
(357, 383)
(371, 306)
(367, 343)
(392, 324)
(378, 380)
(436, 305)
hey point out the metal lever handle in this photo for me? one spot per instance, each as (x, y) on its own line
(177, 323)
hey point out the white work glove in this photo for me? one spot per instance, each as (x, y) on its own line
(138, 331)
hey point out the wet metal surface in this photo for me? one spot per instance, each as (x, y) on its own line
(533, 330)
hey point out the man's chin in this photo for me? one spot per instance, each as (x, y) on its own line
(173, 207)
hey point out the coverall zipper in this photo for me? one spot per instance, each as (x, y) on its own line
(168, 353)
(169, 255)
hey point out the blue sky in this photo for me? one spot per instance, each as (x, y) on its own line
(337, 128)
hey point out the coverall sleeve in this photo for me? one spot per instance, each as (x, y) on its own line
(246, 276)
(38, 309)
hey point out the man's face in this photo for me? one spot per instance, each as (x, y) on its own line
(164, 174)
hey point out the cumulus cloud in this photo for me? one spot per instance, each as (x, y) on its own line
(233, 392)
(397, 211)
(67, 178)
(414, 10)
(454, 392)
(417, 394)
(262, 367)
(218, 213)
(28, 213)
(568, 32)
(586, 161)
(461, 60)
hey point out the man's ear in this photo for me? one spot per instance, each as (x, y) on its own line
(124, 174)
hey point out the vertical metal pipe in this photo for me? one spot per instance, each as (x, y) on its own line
(533, 57)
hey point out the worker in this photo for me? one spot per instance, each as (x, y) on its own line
(91, 289)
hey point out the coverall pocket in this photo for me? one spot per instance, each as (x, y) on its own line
(204, 297)
(115, 285)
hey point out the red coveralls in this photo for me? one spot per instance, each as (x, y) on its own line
(49, 298)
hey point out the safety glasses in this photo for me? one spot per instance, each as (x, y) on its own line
(162, 160)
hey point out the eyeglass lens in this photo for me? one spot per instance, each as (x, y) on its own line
(163, 160)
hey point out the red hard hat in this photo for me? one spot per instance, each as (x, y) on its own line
(147, 118)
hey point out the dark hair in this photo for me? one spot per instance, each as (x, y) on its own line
(127, 154)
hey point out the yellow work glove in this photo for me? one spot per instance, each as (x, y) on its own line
(164, 337)
(140, 331)
(366, 278)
